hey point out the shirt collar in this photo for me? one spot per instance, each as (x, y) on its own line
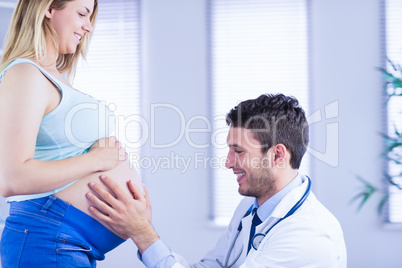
(265, 210)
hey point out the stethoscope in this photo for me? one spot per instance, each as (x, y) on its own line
(257, 238)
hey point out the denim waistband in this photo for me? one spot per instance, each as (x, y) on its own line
(71, 220)
(87, 228)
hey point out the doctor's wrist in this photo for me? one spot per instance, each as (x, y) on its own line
(144, 238)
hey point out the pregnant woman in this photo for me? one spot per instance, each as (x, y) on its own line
(54, 139)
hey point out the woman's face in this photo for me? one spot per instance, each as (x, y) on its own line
(71, 23)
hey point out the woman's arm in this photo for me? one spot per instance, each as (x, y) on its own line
(26, 95)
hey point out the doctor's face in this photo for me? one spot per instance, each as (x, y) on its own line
(252, 168)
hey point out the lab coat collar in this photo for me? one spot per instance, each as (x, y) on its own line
(284, 206)
(266, 209)
(290, 199)
(280, 211)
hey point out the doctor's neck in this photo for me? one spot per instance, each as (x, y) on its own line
(282, 178)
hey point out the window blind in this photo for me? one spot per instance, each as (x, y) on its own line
(6, 11)
(111, 72)
(256, 47)
(393, 26)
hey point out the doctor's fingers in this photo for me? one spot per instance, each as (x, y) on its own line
(111, 210)
(142, 197)
(111, 222)
(102, 205)
(105, 195)
(115, 188)
(101, 215)
(123, 206)
(149, 207)
(136, 191)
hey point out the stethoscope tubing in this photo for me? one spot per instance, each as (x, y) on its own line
(228, 255)
(232, 245)
(290, 212)
(262, 235)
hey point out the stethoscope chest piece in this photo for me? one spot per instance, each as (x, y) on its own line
(257, 239)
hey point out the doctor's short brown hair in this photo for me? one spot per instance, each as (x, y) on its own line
(274, 119)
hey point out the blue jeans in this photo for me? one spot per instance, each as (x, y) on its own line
(49, 232)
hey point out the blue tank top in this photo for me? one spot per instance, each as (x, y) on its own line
(70, 129)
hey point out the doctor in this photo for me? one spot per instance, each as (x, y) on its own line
(280, 222)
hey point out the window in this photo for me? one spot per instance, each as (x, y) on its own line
(111, 71)
(257, 47)
(6, 11)
(393, 24)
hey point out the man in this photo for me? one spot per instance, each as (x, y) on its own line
(279, 223)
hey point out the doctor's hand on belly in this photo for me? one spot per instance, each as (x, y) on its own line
(127, 215)
(119, 168)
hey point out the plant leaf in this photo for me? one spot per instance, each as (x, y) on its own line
(391, 63)
(365, 194)
(382, 203)
(390, 180)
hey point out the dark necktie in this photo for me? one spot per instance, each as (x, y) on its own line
(256, 221)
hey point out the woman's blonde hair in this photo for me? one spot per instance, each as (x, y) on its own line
(26, 36)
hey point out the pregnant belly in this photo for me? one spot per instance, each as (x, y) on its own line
(75, 194)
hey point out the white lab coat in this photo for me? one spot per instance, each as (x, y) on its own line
(311, 237)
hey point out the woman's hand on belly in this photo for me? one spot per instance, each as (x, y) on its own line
(107, 153)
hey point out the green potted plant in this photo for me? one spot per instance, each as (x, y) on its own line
(392, 144)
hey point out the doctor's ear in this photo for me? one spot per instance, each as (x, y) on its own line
(280, 154)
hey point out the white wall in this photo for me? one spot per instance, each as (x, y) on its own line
(346, 49)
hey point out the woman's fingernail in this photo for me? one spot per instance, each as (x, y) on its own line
(91, 184)
(89, 195)
(102, 177)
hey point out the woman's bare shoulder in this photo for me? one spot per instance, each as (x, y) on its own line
(22, 71)
(24, 76)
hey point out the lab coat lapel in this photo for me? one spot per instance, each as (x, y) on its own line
(239, 249)
(245, 234)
